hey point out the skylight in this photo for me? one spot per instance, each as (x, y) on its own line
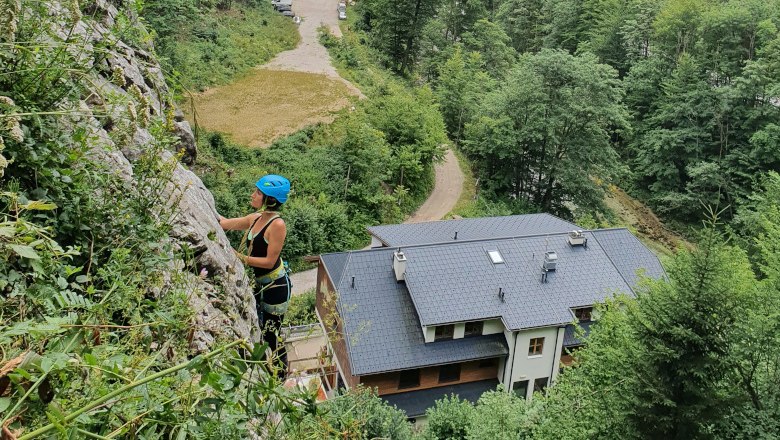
(495, 257)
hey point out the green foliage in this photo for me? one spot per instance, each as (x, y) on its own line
(202, 44)
(501, 415)
(414, 129)
(694, 356)
(357, 414)
(460, 86)
(492, 43)
(93, 292)
(301, 311)
(544, 135)
(449, 419)
(395, 28)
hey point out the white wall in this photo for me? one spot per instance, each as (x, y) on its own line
(460, 331)
(429, 332)
(530, 368)
(492, 326)
(375, 243)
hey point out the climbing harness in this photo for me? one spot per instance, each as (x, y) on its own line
(268, 280)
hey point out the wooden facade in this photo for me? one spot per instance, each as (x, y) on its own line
(473, 371)
(334, 328)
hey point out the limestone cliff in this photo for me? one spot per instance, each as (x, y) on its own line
(122, 71)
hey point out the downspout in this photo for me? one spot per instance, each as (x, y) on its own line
(512, 365)
(557, 335)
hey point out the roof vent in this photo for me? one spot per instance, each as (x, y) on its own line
(576, 238)
(550, 260)
(399, 265)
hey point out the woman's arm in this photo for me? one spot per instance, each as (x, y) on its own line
(236, 224)
(277, 232)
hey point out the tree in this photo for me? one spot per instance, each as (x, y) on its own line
(449, 419)
(357, 414)
(461, 84)
(414, 129)
(501, 416)
(459, 16)
(524, 22)
(693, 356)
(544, 136)
(395, 27)
(492, 43)
(678, 136)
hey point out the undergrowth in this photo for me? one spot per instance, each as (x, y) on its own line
(203, 44)
(94, 318)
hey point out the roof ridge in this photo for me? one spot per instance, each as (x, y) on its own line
(475, 240)
(612, 262)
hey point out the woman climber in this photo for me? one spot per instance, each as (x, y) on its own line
(264, 240)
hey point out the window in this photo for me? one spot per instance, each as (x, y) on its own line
(473, 328)
(444, 332)
(495, 256)
(535, 347)
(409, 379)
(520, 389)
(449, 373)
(583, 314)
(488, 363)
(540, 385)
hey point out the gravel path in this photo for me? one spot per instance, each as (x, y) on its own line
(449, 185)
(310, 56)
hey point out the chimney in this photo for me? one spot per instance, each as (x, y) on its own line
(399, 265)
(576, 238)
(550, 260)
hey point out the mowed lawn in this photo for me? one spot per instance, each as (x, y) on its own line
(267, 104)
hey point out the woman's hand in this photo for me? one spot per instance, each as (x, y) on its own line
(240, 256)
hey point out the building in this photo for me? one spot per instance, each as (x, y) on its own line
(461, 306)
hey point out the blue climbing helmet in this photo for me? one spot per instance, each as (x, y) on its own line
(274, 186)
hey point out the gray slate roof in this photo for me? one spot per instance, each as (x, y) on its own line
(382, 328)
(457, 282)
(470, 229)
(570, 338)
(415, 403)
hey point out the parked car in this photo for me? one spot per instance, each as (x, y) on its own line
(278, 3)
(288, 13)
(284, 7)
(342, 11)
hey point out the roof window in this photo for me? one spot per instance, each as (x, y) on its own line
(495, 256)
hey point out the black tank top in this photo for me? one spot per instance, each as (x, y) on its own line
(260, 248)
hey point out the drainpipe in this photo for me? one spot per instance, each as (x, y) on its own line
(557, 335)
(512, 364)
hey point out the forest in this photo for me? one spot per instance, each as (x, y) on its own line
(675, 101)
(552, 103)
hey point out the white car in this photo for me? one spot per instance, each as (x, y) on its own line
(342, 11)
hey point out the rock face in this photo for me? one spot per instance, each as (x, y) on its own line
(128, 85)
